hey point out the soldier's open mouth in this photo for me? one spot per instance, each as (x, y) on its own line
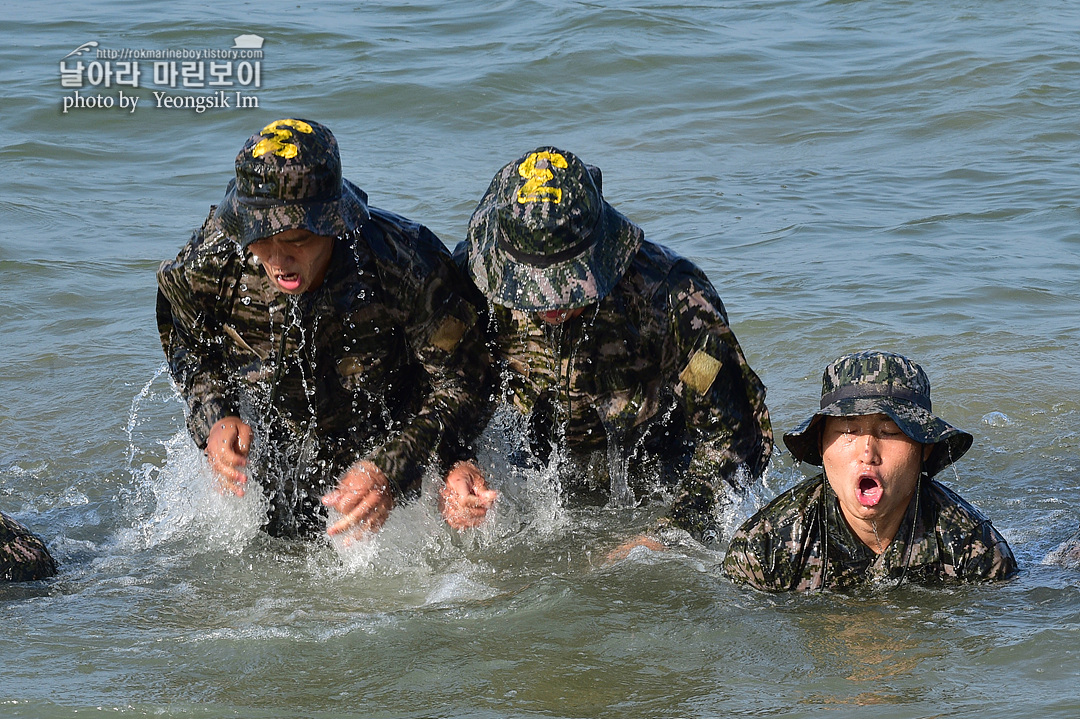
(869, 491)
(556, 317)
(288, 281)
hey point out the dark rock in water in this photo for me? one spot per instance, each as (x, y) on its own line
(23, 555)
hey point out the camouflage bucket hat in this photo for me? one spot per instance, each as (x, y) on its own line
(880, 383)
(288, 176)
(543, 238)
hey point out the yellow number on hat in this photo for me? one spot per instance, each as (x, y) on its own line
(534, 189)
(278, 144)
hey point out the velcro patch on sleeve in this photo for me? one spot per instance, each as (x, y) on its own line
(449, 333)
(700, 372)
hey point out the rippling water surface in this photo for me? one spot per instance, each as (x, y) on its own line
(851, 175)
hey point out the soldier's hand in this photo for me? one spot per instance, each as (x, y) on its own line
(642, 540)
(464, 499)
(362, 497)
(227, 449)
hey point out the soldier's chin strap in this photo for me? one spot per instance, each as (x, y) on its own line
(824, 530)
(914, 523)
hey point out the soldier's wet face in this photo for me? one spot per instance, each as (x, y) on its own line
(295, 260)
(871, 465)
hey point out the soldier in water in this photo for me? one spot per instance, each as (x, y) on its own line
(616, 349)
(326, 348)
(875, 515)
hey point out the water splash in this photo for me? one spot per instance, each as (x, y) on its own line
(739, 504)
(620, 494)
(188, 508)
(133, 413)
(530, 493)
(618, 416)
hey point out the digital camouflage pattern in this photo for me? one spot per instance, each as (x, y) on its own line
(288, 176)
(23, 556)
(384, 361)
(875, 382)
(800, 542)
(653, 367)
(543, 238)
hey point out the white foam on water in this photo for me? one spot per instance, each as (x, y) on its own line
(996, 419)
(458, 587)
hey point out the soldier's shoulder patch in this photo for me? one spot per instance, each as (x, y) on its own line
(700, 371)
(448, 334)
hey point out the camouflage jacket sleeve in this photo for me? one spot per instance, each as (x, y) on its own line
(722, 398)
(751, 558)
(440, 319)
(23, 556)
(779, 548)
(190, 336)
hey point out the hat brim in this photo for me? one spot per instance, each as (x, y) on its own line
(575, 282)
(248, 222)
(950, 443)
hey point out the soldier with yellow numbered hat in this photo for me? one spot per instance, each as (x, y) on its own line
(325, 348)
(614, 347)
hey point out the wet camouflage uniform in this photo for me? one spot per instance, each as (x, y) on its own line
(23, 557)
(650, 368)
(800, 541)
(383, 361)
